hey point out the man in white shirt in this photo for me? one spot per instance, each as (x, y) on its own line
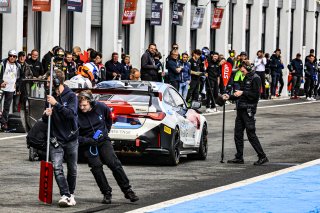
(260, 67)
(9, 80)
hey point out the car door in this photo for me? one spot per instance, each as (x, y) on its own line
(180, 109)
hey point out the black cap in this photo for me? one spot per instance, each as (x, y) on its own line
(243, 53)
(21, 53)
(214, 53)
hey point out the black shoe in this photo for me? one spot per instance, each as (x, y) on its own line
(107, 198)
(131, 195)
(261, 161)
(236, 161)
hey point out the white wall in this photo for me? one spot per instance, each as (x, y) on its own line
(298, 28)
(183, 32)
(271, 26)
(203, 34)
(256, 28)
(239, 26)
(12, 34)
(222, 33)
(311, 26)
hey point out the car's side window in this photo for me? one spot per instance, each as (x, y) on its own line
(178, 100)
(167, 98)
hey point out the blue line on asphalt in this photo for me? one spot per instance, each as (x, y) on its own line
(293, 192)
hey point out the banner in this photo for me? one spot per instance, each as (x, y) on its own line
(156, 13)
(41, 5)
(197, 17)
(5, 6)
(75, 5)
(217, 18)
(226, 73)
(129, 12)
(177, 13)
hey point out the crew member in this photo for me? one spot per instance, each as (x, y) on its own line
(64, 136)
(96, 117)
(248, 97)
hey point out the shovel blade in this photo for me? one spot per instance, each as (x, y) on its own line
(46, 182)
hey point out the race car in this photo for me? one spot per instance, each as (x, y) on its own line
(148, 118)
(152, 118)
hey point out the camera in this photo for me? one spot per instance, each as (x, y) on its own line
(54, 142)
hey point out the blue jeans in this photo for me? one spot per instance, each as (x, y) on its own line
(275, 80)
(70, 151)
(183, 89)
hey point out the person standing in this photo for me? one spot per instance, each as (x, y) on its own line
(95, 117)
(64, 136)
(10, 78)
(185, 76)
(35, 64)
(149, 69)
(248, 97)
(276, 72)
(114, 69)
(260, 67)
(193, 92)
(174, 69)
(212, 83)
(127, 67)
(102, 69)
(296, 70)
(311, 78)
(71, 66)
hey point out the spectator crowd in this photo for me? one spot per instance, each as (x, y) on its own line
(197, 77)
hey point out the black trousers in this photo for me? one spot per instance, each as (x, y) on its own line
(262, 76)
(8, 97)
(309, 87)
(246, 121)
(213, 94)
(296, 82)
(175, 84)
(106, 156)
(193, 90)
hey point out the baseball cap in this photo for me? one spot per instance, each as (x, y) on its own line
(243, 53)
(12, 52)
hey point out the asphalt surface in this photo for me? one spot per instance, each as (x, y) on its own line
(288, 133)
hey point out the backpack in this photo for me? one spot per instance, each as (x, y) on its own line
(37, 136)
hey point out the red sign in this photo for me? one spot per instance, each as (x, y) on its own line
(217, 18)
(41, 5)
(226, 73)
(46, 182)
(129, 12)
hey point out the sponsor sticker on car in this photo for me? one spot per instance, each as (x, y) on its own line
(167, 130)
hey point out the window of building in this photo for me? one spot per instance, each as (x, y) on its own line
(173, 30)
(264, 24)
(305, 22)
(278, 27)
(37, 30)
(96, 25)
(231, 10)
(291, 33)
(317, 24)
(248, 18)
(193, 32)
(212, 31)
(126, 38)
(149, 34)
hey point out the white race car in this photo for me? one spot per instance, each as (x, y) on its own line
(152, 118)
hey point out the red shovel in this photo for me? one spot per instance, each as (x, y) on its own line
(46, 168)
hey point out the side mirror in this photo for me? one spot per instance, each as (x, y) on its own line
(195, 105)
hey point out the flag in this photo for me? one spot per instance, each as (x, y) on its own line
(217, 18)
(129, 13)
(41, 5)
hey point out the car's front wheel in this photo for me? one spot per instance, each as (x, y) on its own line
(174, 152)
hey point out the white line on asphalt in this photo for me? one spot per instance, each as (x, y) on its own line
(224, 188)
(19, 136)
(264, 107)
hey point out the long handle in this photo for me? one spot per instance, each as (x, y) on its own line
(49, 118)
(223, 125)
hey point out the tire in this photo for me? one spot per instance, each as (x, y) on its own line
(174, 152)
(203, 147)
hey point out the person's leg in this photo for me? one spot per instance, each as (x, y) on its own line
(307, 86)
(281, 82)
(72, 159)
(191, 89)
(8, 96)
(297, 86)
(274, 85)
(238, 133)
(263, 84)
(56, 155)
(185, 90)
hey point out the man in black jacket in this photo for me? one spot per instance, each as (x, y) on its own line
(212, 83)
(149, 69)
(114, 69)
(47, 59)
(311, 77)
(248, 97)
(64, 136)
(296, 70)
(94, 117)
(276, 72)
(174, 69)
(35, 64)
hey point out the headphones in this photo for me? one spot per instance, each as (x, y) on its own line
(55, 80)
(89, 97)
(246, 66)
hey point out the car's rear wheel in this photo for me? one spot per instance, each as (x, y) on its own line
(174, 152)
(203, 147)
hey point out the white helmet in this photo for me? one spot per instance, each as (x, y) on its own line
(78, 82)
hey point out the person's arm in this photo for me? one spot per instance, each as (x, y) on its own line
(108, 118)
(264, 61)
(144, 63)
(255, 92)
(256, 62)
(70, 110)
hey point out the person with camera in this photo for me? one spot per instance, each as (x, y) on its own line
(64, 136)
(248, 97)
(94, 125)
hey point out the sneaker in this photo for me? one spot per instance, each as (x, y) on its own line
(215, 110)
(208, 110)
(273, 97)
(65, 201)
(261, 161)
(313, 99)
(236, 161)
(4, 126)
(131, 195)
(309, 99)
(72, 200)
(107, 198)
